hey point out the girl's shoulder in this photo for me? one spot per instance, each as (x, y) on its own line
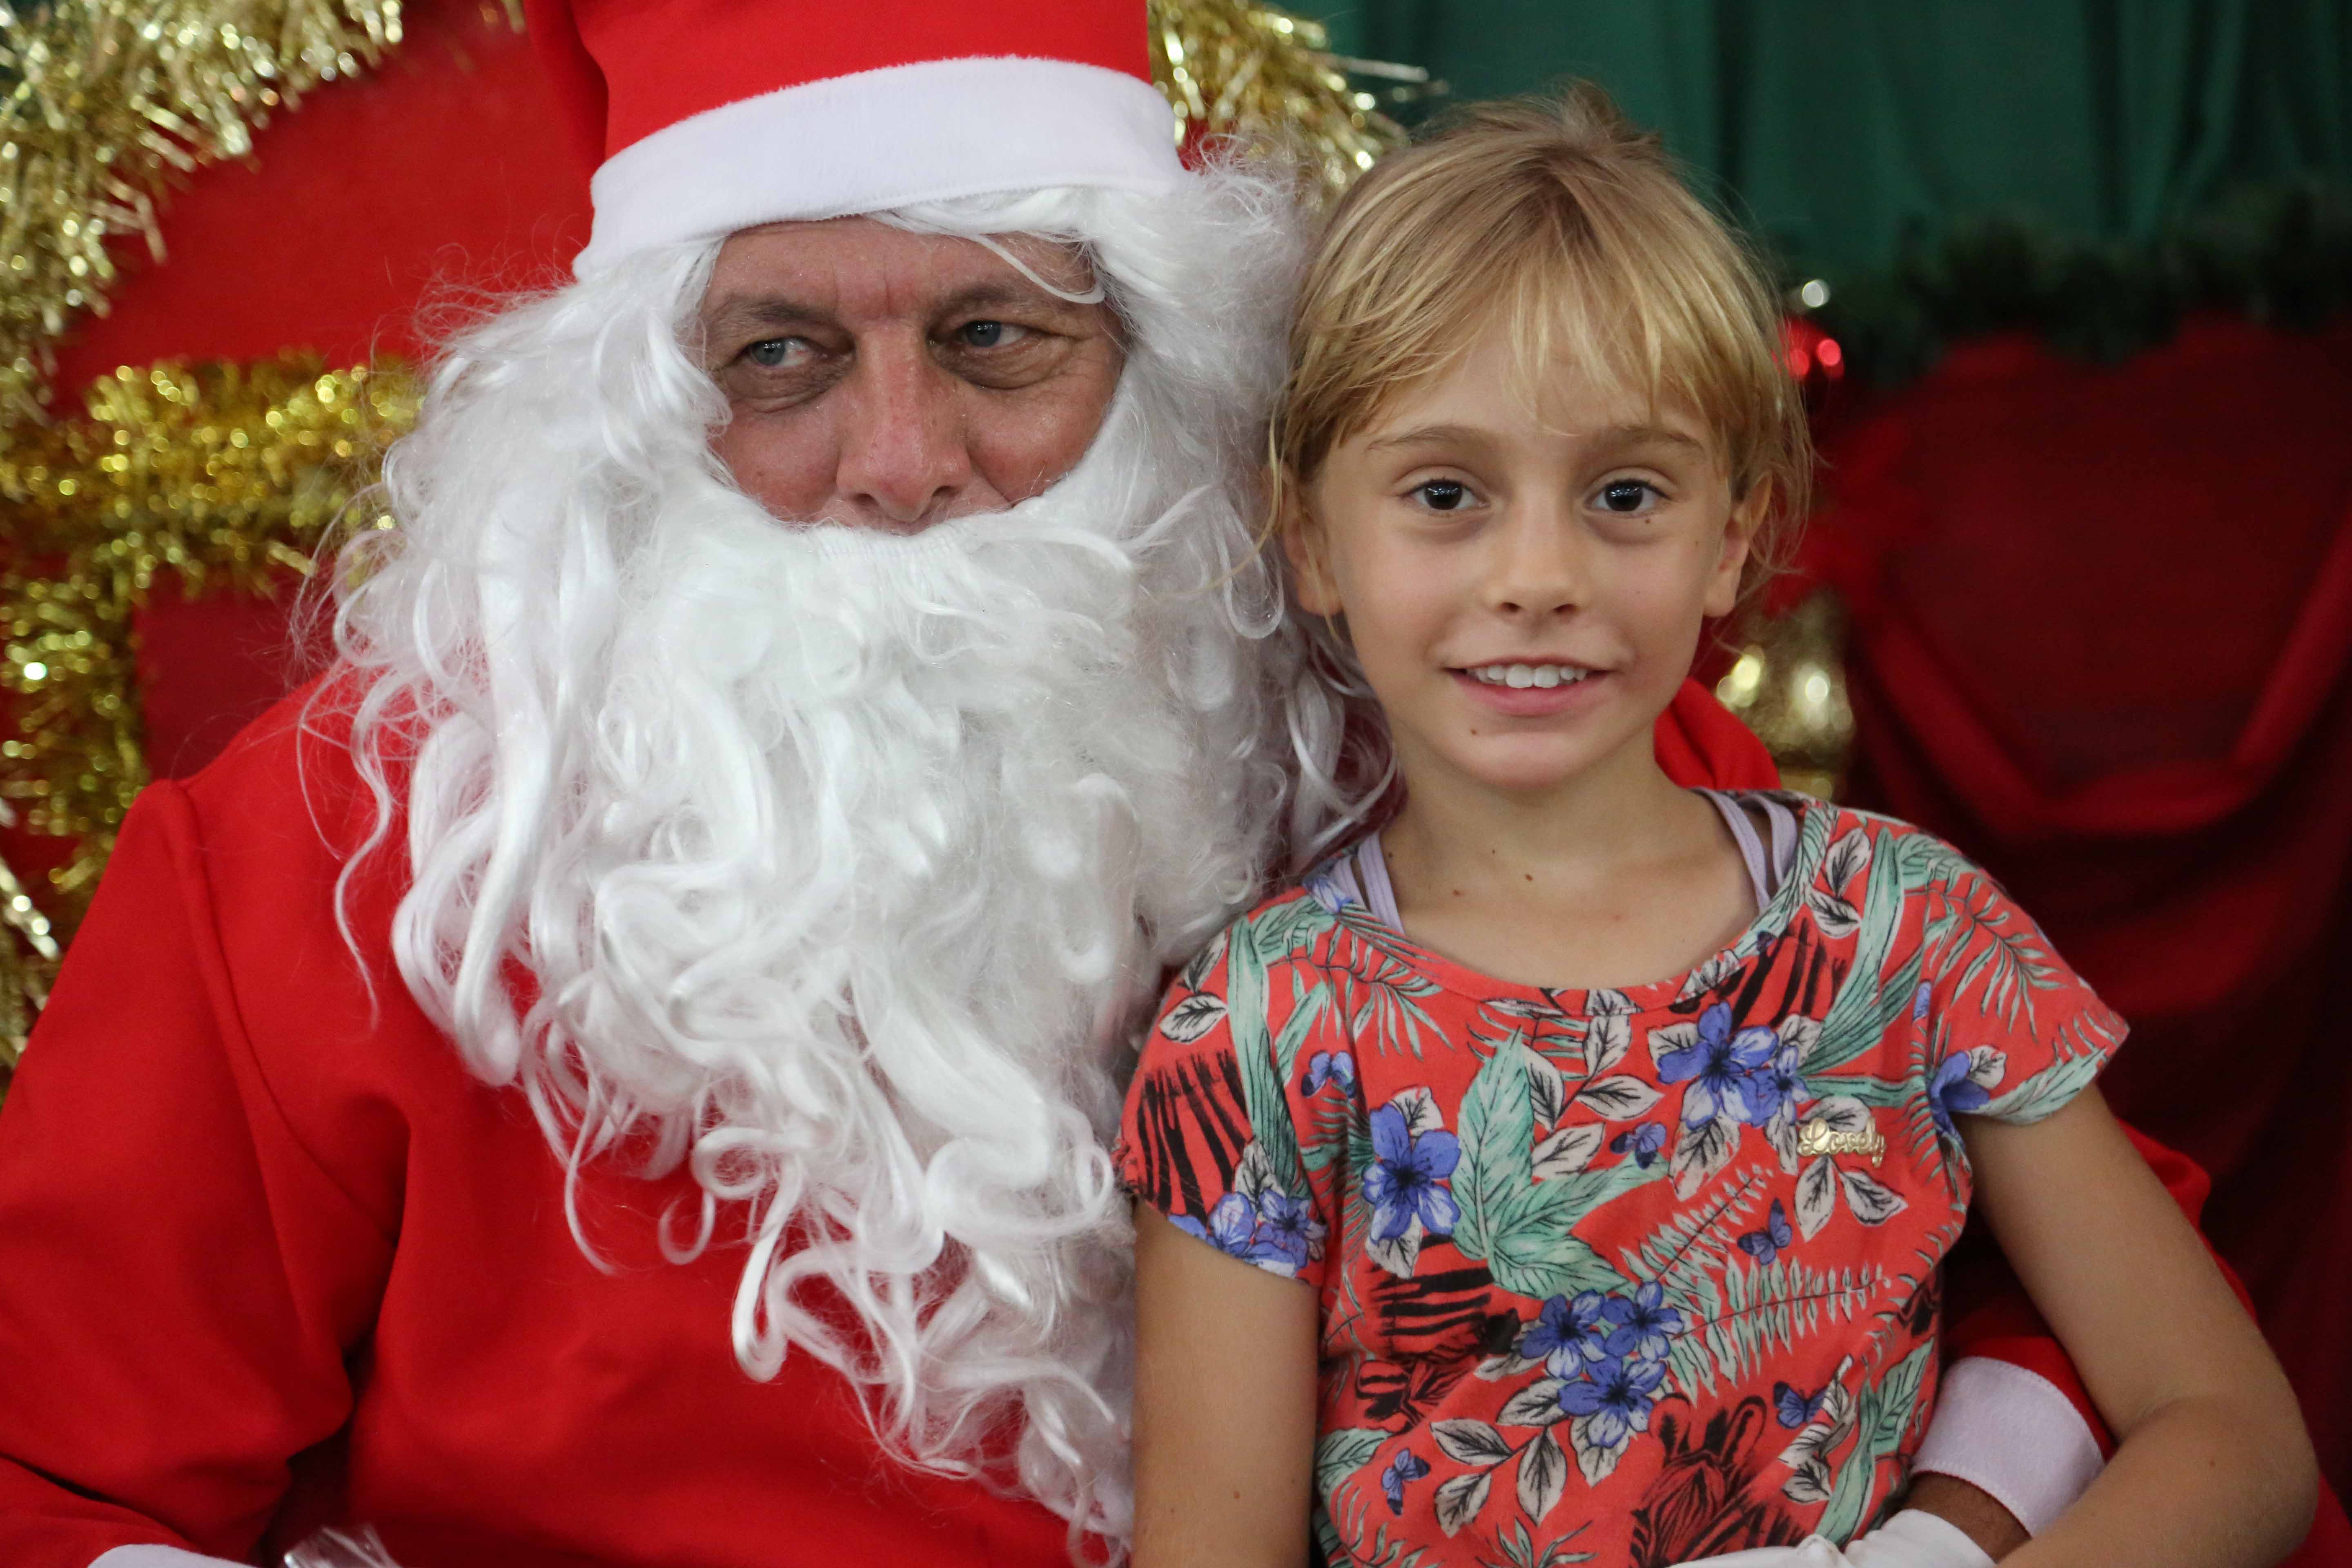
(1837, 842)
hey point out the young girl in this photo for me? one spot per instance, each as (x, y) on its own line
(1561, 1174)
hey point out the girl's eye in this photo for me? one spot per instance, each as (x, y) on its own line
(770, 353)
(1626, 496)
(1444, 495)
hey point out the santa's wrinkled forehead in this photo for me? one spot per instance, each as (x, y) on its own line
(850, 271)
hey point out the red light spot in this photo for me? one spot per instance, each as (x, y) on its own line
(1800, 362)
(1833, 357)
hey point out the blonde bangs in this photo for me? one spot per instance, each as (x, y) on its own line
(1574, 234)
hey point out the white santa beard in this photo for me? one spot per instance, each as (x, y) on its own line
(849, 873)
(806, 922)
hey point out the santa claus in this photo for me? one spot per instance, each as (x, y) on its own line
(618, 1072)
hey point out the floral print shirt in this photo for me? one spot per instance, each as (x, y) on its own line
(1622, 1276)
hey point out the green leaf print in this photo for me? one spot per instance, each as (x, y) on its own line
(1771, 1309)
(1849, 1501)
(1341, 1454)
(1522, 1228)
(1871, 1001)
(1539, 1262)
(1497, 1129)
(1881, 1416)
(1866, 1005)
(1899, 1399)
(1532, 1247)
(1266, 1060)
(2047, 1090)
(1870, 1089)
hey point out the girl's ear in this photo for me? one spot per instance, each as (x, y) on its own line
(1747, 515)
(1303, 542)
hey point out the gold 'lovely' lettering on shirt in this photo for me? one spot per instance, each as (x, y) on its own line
(1821, 1138)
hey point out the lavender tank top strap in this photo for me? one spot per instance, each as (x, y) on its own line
(1372, 865)
(1751, 849)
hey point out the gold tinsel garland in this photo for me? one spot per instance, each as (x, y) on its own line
(109, 99)
(1230, 67)
(221, 476)
(225, 476)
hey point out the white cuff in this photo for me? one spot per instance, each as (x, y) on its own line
(2011, 1433)
(1914, 1539)
(159, 1557)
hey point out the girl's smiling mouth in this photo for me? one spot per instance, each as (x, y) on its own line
(1529, 690)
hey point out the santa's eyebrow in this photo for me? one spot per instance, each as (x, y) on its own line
(741, 311)
(738, 314)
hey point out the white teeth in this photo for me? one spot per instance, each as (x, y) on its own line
(1521, 676)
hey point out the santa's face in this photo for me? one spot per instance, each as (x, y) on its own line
(896, 380)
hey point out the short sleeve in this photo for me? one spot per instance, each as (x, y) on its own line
(2013, 1032)
(1211, 1135)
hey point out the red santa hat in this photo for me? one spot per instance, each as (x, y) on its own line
(703, 117)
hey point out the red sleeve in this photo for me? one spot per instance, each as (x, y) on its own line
(1700, 743)
(180, 1278)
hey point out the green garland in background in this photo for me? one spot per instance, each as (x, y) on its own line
(2279, 254)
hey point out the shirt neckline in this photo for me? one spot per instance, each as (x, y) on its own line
(1710, 974)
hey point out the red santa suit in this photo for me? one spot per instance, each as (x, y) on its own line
(336, 1280)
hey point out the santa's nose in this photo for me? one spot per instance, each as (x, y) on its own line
(905, 459)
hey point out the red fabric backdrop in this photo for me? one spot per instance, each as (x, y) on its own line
(365, 220)
(2102, 618)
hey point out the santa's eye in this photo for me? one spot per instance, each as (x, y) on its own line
(770, 353)
(1444, 495)
(989, 334)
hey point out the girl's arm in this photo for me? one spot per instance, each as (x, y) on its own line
(1225, 1407)
(2215, 1469)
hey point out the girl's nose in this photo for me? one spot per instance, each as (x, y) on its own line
(1537, 568)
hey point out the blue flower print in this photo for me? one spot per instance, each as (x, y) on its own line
(1330, 1067)
(1639, 1327)
(1407, 1465)
(1231, 1228)
(1323, 885)
(1288, 1233)
(1404, 1183)
(1775, 1087)
(1617, 1395)
(1643, 1142)
(1721, 1067)
(1565, 1335)
(1953, 1093)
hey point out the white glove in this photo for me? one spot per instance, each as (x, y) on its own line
(328, 1549)
(1910, 1540)
(337, 1548)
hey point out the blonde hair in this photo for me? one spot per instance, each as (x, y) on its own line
(1574, 231)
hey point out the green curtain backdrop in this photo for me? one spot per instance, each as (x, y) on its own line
(1839, 127)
